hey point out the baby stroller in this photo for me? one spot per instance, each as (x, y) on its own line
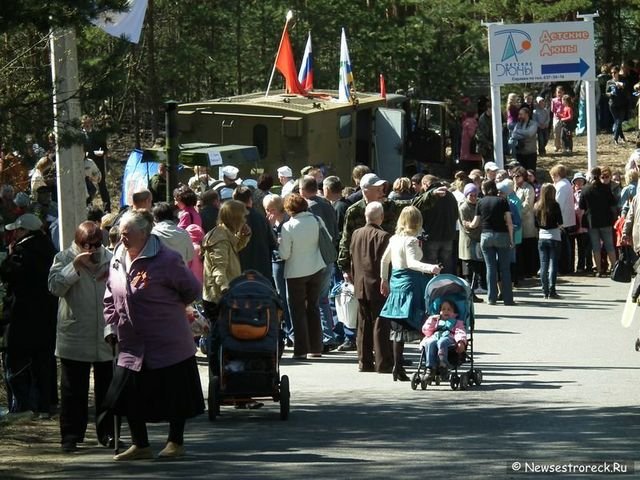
(449, 287)
(244, 357)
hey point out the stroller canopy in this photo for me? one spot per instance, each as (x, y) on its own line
(449, 287)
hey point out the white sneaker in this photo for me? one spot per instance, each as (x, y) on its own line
(480, 291)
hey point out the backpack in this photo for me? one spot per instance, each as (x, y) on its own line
(250, 308)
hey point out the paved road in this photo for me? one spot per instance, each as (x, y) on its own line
(560, 384)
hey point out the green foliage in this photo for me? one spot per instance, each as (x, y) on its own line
(18, 14)
(192, 50)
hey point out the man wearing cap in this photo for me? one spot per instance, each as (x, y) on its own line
(285, 176)
(30, 317)
(372, 188)
(231, 181)
(491, 171)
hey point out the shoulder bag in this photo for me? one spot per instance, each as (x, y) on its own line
(325, 244)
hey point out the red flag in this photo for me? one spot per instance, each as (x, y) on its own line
(383, 87)
(287, 66)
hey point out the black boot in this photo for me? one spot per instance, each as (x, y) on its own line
(398, 372)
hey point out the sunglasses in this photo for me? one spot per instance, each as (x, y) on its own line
(87, 246)
(606, 176)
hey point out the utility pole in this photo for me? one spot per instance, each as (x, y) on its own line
(496, 113)
(72, 190)
(590, 87)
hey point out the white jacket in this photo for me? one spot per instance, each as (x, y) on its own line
(299, 246)
(403, 251)
(564, 196)
(175, 238)
(80, 331)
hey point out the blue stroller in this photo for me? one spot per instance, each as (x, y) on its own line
(449, 287)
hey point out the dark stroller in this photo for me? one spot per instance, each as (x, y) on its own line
(449, 287)
(244, 356)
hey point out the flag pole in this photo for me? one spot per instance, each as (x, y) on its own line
(273, 71)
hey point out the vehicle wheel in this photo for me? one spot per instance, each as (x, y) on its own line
(285, 398)
(423, 384)
(213, 402)
(454, 381)
(415, 381)
(637, 344)
(477, 377)
(464, 381)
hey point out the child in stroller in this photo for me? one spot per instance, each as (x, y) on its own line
(441, 332)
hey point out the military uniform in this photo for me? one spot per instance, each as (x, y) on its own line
(354, 219)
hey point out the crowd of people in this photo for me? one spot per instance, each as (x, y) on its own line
(123, 289)
(495, 227)
(556, 112)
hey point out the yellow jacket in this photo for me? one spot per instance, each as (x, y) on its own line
(221, 263)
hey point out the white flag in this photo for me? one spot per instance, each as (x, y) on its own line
(127, 23)
(346, 75)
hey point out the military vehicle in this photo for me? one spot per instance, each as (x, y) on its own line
(315, 130)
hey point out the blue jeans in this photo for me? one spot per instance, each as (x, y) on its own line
(497, 256)
(606, 235)
(548, 250)
(438, 349)
(326, 317)
(439, 251)
(618, 116)
(281, 288)
(543, 139)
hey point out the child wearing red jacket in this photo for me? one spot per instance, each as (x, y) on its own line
(566, 117)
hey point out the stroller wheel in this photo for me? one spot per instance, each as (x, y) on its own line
(454, 381)
(423, 384)
(637, 344)
(285, 398)
(415, 380)
(464, 381)
(213, 402)
(477, 377)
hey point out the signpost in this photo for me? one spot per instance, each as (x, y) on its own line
(535, 53)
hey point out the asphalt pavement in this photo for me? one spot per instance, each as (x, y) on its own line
(560, 385)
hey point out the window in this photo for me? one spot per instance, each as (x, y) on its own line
(260, 139)
(344, 125)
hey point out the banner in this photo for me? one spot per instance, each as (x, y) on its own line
(127, 24)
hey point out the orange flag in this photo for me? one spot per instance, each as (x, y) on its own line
(287, 66)
(383, 87)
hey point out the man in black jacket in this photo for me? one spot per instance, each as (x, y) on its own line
(322, 208)
(439, 216)
(30, 313)
(257, 254)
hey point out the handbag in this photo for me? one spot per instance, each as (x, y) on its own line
(346, 305)
(623, 269)
(325, 244)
